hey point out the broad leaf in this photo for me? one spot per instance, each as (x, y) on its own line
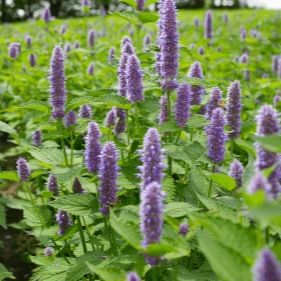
(13, 176)
(52, 156)
(110, 273)
(225, 181)
(38, 105)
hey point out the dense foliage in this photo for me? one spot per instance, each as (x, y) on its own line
(148, 157)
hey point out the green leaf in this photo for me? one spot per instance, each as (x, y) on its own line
(271, 143)
(227, 264)
(128, 230)
(169, 126)
(247, 146)
(149, 2)
(225, 181)
(169, 188)
(186, 50)
(38, 173)
(77, 204)
(250, 171)
(150, 104)
(127, 15)
(197, 121)
(43, 126)
(2, 216)
(131, 3)
(197, 181)
(110, 273)
(52, 156)
(66, 174)
(38, 105)
(40, 260)
(13, 176)
(146, 17)
(159, 249)
(4, 127)
(32, 218)
(195, 81)
(177, 152)
(79, 101)
(69, 232)
(178, 209)
(112, 100)
(5, 273)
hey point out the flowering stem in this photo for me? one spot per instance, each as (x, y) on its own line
(176, 270)
(88, 230)
(191, 134)
(62, 143)
(71, 145)
(106, 228)
(211, 181)
(178, 136)
(138, 36)
(239, 209)
(128, 128)
(61, 253)
(68, 249)
(82, 235)
(137, 121)
(170, 134)
(111, 232)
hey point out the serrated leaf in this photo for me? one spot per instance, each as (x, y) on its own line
(227, 264)
(178, 209)
(146, 17)
(186, 50)
(32, 218)
(127, 15)
(43, 126)
(150, 104)
(5, 273)
(250, 170)
(51, 156)
(169, 126)
(149, 2)
(79, 101)
(38, 105)
(159, 249)
(112, 100)
(69, 232)
(169, 188)
(197, 121)
(271, 143)
(4, 127)
(40, 260)
(225, 181)
(77, 204)
(110, 273)
(247, 146)
(13, 176)
(38, 173)
(66, 174)
(195, 81)
(131, 3)
(128, 230)
(3, 216)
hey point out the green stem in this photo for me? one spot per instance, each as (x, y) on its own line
(87, 230)
(61, 253)
(192, 259)
(267, 235)
(122, 156)
(191, 134)
(107, 232)
(170, 133)
(62, 143)
(211, 181)
(239, 209)
(68, 249)
(178, 136)
(71, 145)
(137, 121)
(82, 235)
(138, 36)
(176, 270)
(128, 128)
(111, 232)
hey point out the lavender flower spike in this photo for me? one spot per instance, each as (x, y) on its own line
(122, 75)
(57, 83)
(121, 123)
(198, 90)
(184, 229)
(140, 6)
(23, 169)
(268, 124)
(183, 104)
(67, 48)
(46, 15)
(90, 69)
(208, 25)
(37, 138)
(151, 157)
(32, 59)
(64, 221)
(258, 183)
(275, 64)
(28, 41)
(233, 109)
(85, 111)
(196, 22)
(49, 251)
(169, 39)
(225, 17)
(236, 171)
(214, 102)
(267, 267)
(91, 38)
(111, 54)
(201, 51)
(146, 41)
(76, 44)
(63, 29)
(128, 49)
(126, 39)
(70, 119)
(108, 176)
(151, 217)
(163, 114)
(110, 119)
(77, 187)
(13, 51)
(52, 185)
(244, 59)
(132, 276)
(216, 136)
(93, 148)
(134, 79)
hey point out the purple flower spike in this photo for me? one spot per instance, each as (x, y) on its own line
(93, 148)
(163, 114)
(128, 49)
(110, 119)
(169, 39)
(214, 102)
(121, 123)
(46, 15)
(28, 41)
(243, 34)
(275, 64)
(244, 59)
(126, 39)
(198, 90)
(111, 54)
(184, 229)
(236, 171)
(233, 109)
(108, 176)
(201, 51)
(196, 22)
(85, 111)
(67, 48)
(63, 29)
(225, 17)
(265, 75)
(276, 100)
(169, 85)
(64, 221)
(151, 216)
(77, 187)
(151, 157)
(134, 79)
(91, 38)
(216, 136)
(13, 51)
(52, 185)
(122, 75)
(90, 69)
(183, 104)
(192, 46)
(85, 3)
(132, 276)
(32, 59)
(258, 183)
(208, 25)
(146, 41)
(49, 251)
(23, 169)
(131, 31)
(37, 138)
(70, 119)
(247, 75)
(76, 44)
(268, 124)
(140, 6)
(267, 267)
(57, 83)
